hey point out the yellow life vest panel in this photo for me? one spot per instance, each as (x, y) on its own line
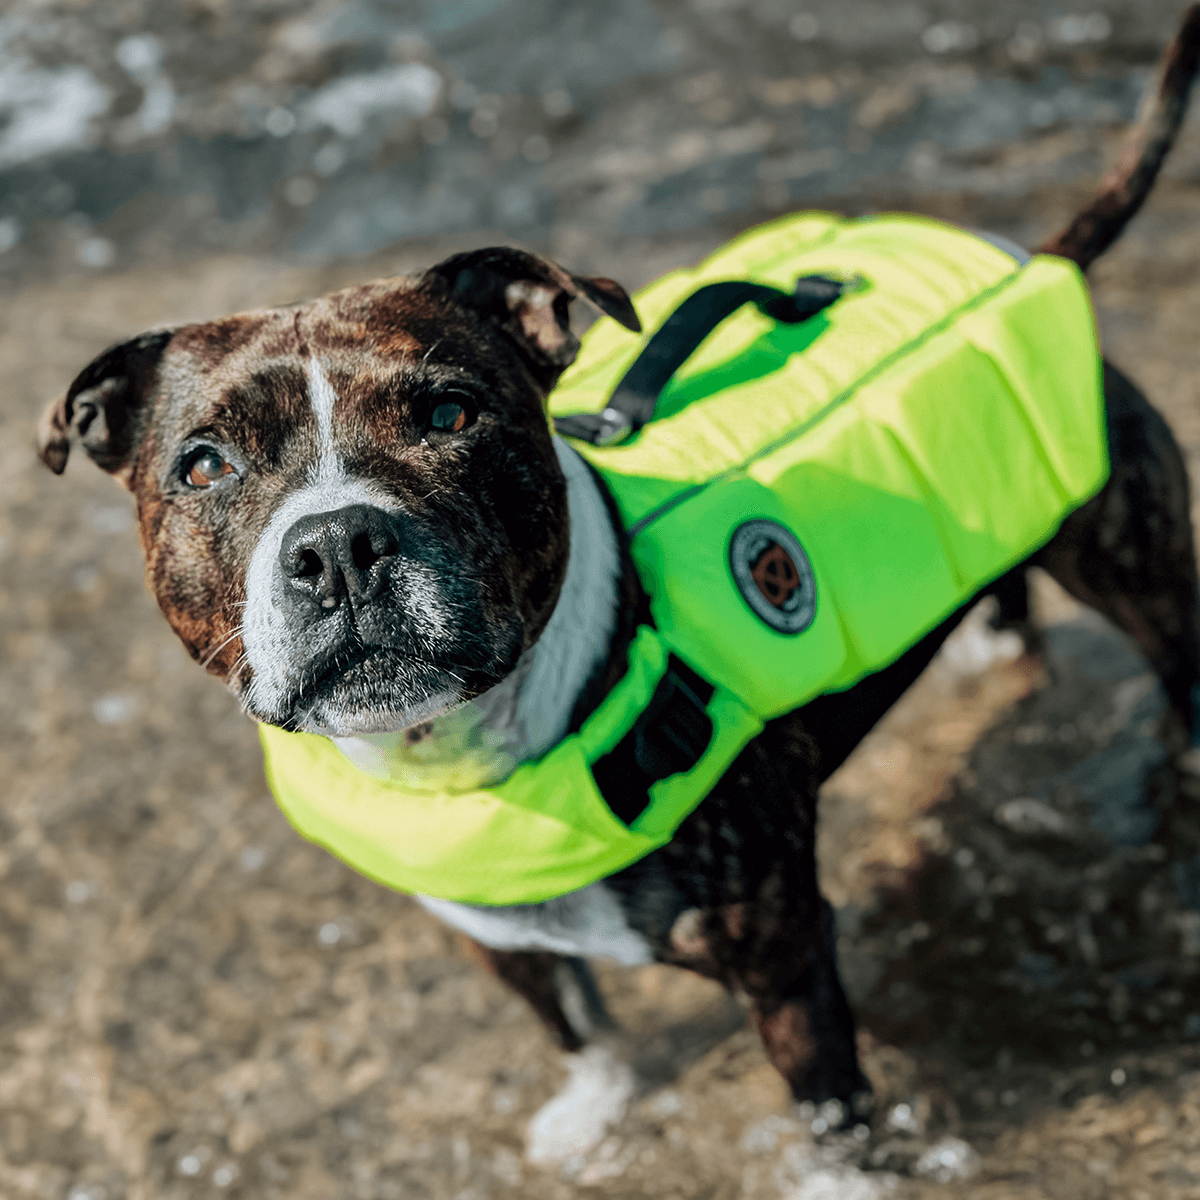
(807, 502)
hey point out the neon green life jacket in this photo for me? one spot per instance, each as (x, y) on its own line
(808, 501)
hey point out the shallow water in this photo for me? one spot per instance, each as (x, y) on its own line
(129, 131)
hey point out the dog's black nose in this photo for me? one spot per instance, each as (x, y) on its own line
(328, 557)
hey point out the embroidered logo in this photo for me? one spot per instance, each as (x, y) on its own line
(774, 576)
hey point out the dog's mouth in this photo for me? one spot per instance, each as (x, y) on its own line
(372, 690)
(378, 689)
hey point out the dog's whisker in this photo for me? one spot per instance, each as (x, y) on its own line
(238, 663)
(217, 650)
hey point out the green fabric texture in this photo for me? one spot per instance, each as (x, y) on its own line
(918, 438)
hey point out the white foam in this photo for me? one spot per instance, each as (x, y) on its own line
(408, 90)
(43, 109)
(837, 1183)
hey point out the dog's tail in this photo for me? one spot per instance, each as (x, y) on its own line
(1124, 188)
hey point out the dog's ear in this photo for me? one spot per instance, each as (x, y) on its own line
(528, 296)
(104, 408)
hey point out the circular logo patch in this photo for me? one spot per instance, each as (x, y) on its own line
(774, 575)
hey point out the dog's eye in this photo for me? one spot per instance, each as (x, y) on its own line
(206, 468)
(449, 416)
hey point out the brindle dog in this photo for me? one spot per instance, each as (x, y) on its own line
(354, 512)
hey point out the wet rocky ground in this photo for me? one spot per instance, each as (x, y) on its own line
(130, 130)
(195, 1003)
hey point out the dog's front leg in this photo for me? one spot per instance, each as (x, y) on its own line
(600, 1082)
(560, 989)
(780, 961)
(807, 1027)
(749, 912)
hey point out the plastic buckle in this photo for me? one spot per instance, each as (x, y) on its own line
(614, 426)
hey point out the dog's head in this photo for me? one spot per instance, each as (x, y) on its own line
(351, 509)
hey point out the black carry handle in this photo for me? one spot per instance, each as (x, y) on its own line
(632, 403)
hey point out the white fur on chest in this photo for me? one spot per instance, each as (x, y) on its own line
(589, 922)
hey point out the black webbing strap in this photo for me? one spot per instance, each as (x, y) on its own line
(632, 403)
(669, 737)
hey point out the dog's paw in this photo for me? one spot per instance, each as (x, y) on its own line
(595, 1097)
(977, 644)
